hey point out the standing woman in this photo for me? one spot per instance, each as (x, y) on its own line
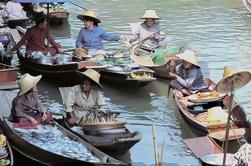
(91, 35)
(145, 31)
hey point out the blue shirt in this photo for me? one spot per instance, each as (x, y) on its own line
(91, 39)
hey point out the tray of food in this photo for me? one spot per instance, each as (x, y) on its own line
(201, 97)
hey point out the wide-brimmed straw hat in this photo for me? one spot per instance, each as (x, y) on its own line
(233, 79)
(150, 14)
(214, 116)
(90, 14)
(93, 75)
(27, 82)
(189, 56)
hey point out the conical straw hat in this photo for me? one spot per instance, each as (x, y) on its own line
(146, 61)
(93, 75)
(150, 14)
(214, 116)
(88, 13)
(27, 82)
(233, 79)
(189, 56)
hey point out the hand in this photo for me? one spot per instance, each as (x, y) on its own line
(125, 38)
(173, 75)
(59, 50)
(185, 92)
(151, 36)
(33, 121)
(71, 121)
(44, 116)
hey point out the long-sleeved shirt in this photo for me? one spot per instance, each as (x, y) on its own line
(92, 38)
(191, 78)
(23, 106)
(144, 31)
(78, 103)
(14, 10)
(243, 156)
(35, 38)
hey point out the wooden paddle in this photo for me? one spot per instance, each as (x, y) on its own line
(123, 50)
(78, 6)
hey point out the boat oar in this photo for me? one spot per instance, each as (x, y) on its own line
(69, 50)
(78, 6)
(123, 50)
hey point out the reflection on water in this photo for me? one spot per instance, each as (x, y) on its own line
(220, 31)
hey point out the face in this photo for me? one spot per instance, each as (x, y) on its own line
(89, 24)
(44, 24)
(186, 64)
(86, 86)
(149, 22)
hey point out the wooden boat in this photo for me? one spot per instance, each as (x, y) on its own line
(9, 158)
(12, 23)
(58, 17)
(45, 156)
(8, 77)
(110, 137)
(191, 114)
(247, 4)
(203, 147)
(57, 72)
(133, 76)
(114, 139)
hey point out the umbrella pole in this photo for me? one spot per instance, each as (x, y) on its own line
(48, 10)
(228, 125)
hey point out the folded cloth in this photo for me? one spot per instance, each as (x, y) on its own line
(3, 153)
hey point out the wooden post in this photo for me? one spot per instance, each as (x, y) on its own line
(155, 146)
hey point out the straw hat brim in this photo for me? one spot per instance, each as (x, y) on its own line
(188, 60)
(26, 89)
(234, 82)
(82, 18)
(145, 17)
(82, 76)
(202, 118)
(147, 62)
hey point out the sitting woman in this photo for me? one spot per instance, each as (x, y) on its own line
(243, 156)
(91, 35)
(145, 31)
(84, 97)
(189, 78)
(26, 106)
(35, 38)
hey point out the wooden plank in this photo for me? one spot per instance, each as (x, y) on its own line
(233, 134)
(202, 146)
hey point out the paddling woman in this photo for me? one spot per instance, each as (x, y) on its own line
(35, 38)
(90, 37)
(144, 31)
(189, 78)
(84, 97)
(26, 106)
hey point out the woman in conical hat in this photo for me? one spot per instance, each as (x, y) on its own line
(145, 31)
(189, 78)
(91, 35)
(26, 106)
(84, 97)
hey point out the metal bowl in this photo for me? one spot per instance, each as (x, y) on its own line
(217, 159)
(63, 58)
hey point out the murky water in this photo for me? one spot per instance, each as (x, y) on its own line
(219, 30)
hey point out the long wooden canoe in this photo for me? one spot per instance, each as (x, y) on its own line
(60, 73)
(217, 131)
(114, 140)
(58, 17)
(44, 156)
(120, 75)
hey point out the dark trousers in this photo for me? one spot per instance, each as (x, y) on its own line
(174, 84)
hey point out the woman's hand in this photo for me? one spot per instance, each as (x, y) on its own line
(175, 76)
(44, 116)
(71, 121)
(33, 121)
(125, 38)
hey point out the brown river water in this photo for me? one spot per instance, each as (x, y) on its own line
(218, 30)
